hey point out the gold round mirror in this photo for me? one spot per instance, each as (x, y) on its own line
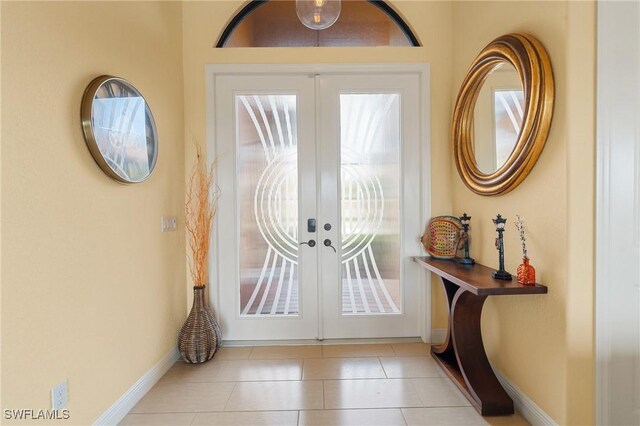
(503, 113)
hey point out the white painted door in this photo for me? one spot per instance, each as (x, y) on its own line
(320, 205)
(618, 223)
(369, 155)
(265, 153)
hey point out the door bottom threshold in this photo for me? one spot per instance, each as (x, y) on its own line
(315, 342)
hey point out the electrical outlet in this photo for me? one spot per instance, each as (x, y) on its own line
(59, 396)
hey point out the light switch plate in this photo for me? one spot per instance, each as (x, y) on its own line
(169, 223)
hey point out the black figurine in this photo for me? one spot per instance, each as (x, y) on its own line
(500, 274)
(466, 260)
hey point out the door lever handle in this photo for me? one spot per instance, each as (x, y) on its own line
(310, 243)
(327, 243)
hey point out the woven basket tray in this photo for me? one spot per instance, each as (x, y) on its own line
(442, 236)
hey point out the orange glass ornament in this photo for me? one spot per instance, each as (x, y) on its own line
(526, 273)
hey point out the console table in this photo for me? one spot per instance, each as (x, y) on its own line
(462, 354)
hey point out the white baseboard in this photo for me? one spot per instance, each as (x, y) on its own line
(126, 402)
(523, 404)
(438, 335)
(315, 342)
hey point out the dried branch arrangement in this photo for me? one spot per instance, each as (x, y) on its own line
(523, 239)
(201, 202)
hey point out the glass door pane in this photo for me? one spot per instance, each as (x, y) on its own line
(267, 155)
(370, 203)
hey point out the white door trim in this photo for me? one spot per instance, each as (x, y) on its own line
(271, 69)
(616, 66)
(423, 70)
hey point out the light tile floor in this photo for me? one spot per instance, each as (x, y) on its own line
(367, 385)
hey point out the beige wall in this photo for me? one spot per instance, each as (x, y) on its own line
(543, 344)
(92, 290)
(0, 211)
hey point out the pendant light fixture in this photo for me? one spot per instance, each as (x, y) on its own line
(318, 14)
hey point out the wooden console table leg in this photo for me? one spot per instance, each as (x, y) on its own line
(446, 348)
(462, 355)
(482, 385)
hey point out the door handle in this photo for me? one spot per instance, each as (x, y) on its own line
(310, 243)
(327, 243)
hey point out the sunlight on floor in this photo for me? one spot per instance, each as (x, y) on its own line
(364, 384)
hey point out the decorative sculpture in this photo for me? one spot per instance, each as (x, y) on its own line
(466, 260)
(500, 274)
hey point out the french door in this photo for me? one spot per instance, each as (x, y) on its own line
(320, 205)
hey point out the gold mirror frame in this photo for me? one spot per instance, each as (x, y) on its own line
(530, 59)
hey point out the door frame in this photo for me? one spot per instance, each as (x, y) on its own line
(611, 73)
(420, 69)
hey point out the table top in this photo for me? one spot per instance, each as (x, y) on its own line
(476, 278)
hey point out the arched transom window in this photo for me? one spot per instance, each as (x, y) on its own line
(275, 24)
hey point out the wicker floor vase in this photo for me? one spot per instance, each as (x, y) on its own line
(200, 336)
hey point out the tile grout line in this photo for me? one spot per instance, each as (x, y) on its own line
(383, 369)
(413, 386)
(403, 417)
(177, 412)
(316, 379)
(324, 402)
(224, 408)
(271, 410)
